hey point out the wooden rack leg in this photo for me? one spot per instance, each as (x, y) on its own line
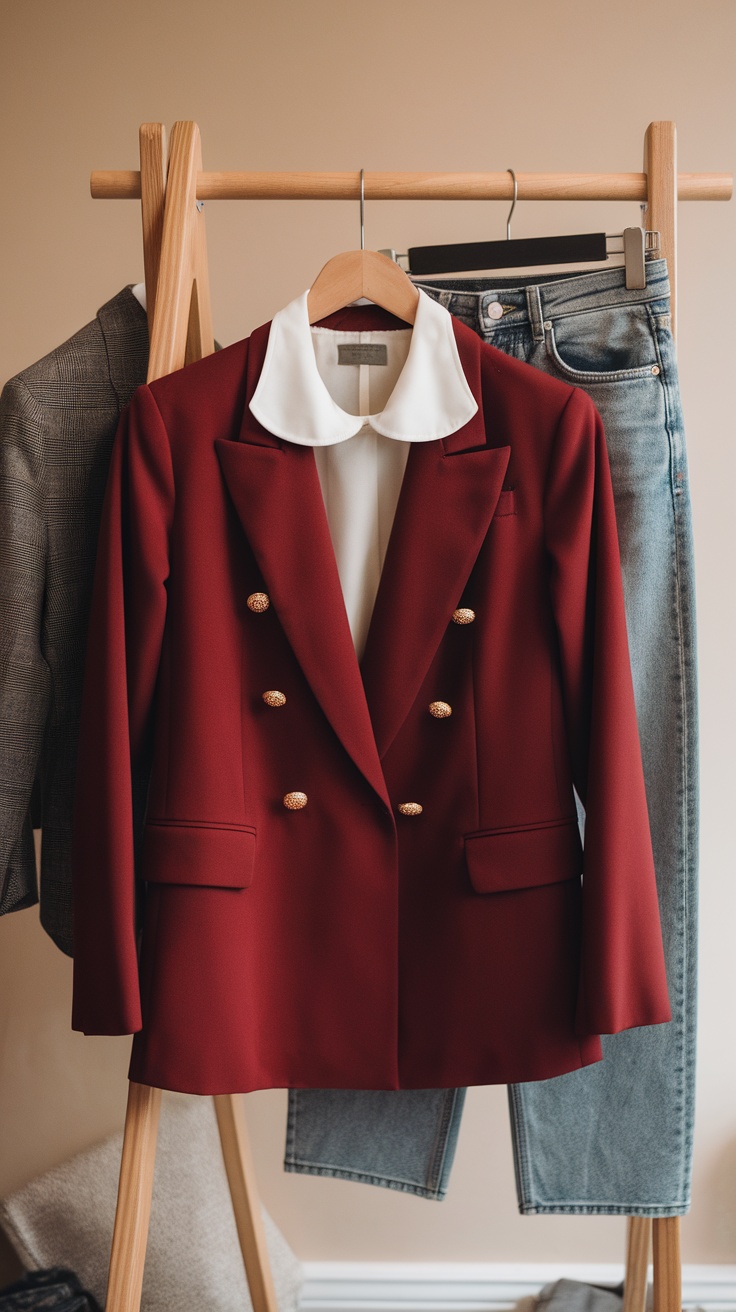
(638, 1238)
(667, 1264)
(135, 1187)
(132, 1214)
(200, 334)
(660, 166)
(241, 1175)
(664, 1232)
(152, 146)
(182, 327)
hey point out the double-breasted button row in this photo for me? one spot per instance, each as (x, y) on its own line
(258, 602)
(440, 710)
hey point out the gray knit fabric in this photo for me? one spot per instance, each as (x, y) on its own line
(575, 1296)
(58, 419)
(65, 1217)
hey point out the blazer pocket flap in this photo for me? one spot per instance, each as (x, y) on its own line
(502, 859)
(181, 852)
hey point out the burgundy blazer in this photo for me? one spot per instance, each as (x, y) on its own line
(348, 943)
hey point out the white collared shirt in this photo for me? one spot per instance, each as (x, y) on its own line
(360, 418)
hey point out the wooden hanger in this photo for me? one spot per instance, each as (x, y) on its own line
(352, 274)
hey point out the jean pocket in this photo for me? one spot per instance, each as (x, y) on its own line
(609, 344)
(201, 852)
(524, 856)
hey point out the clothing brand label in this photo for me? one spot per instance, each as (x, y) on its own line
(362, 353)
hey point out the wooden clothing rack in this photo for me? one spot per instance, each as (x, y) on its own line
(180, 330)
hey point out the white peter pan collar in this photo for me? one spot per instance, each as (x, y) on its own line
(431, 397)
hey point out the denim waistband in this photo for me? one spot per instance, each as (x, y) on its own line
(548, 295)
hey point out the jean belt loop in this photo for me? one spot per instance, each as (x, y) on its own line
(534, 306)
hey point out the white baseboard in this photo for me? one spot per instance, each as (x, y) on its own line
(479, 1286)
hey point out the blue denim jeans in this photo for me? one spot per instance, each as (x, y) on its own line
(616, 1136)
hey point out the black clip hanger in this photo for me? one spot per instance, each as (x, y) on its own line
(521, 252)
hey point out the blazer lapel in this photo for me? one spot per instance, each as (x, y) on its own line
(447, 499)
(275, 488)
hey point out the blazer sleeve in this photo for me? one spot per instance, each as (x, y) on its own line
(124, 637)
(25, 676)
(622, 980)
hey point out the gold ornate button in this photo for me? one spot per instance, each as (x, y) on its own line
(410, 808)
(259, 601)
(295, 801)
(440, 710)
(463, 615)
(273, 698)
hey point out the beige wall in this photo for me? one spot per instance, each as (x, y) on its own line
(338, 85)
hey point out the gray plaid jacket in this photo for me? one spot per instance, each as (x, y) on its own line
(58, 419)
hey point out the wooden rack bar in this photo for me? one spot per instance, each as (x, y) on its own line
(125, 184)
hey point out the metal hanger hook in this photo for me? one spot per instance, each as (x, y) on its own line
(362, 210)
(516, 193)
